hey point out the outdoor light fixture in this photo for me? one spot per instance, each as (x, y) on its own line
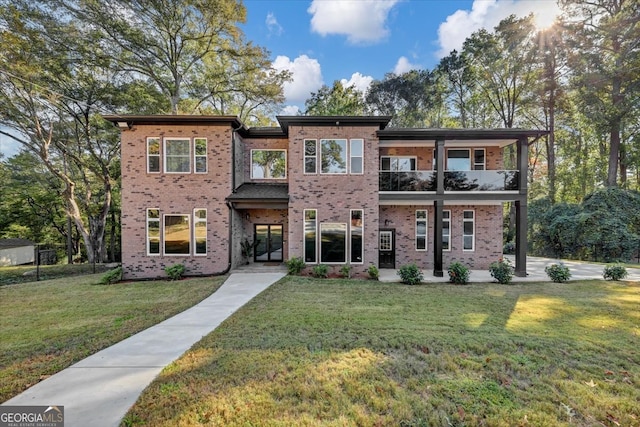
(124, 125)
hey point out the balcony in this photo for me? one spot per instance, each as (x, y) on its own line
(476, 180)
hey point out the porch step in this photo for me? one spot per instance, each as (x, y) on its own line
(262, 267)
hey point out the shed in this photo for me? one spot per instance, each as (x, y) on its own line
(16, 252)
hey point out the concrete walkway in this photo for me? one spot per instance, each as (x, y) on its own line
(99, 390)
(535, 272)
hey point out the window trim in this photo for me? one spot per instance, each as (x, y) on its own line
(269, 149)
(484, 159)
(447, 220)
(196, 156)
(473, 236)
(304, 236)
(344, 226)
(351, 156)
(164, 240)
(188, 156)
(159, 155)
(414, 158)
(196, 221)
(351, 229)
(426, 230)
(346, 155)
(148, 240)
(468, 150)
(314, 157)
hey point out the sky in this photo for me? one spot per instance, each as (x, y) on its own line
(358, 41)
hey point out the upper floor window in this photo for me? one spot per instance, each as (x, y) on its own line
(310, 156)
(459, 159)
(268, 164)
(200, 154)
(479, 159)
(177, 155)
(337, 156)
(397, 163)
(356, 153)
(153, 155)
(333, 156)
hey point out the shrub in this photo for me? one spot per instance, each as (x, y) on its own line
(509, 248)
(320, 271)
(502, 271)
(112, 276)
(345, 271)
(410, 274)
(373, 271)
(615, 272)
(295, 265)
(458, 274)
(175, 272)
(559, 273)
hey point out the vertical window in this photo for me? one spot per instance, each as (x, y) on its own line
(310, 156)
(356, 230)
(479, 162)
(153, 155)
(356, 151)
(386, 240)
(177, 158)
(177, 235)
(153, 231)
(333, 242)
(200, 154)
(421, 230)
(200, 231)
(333, 156)
(446, 230)
(310, 235)
(458, 160)
(468, 230)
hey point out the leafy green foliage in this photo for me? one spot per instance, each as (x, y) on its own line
(320, 271)
(112, 276)
(559, 273)
(615, 272)
(410, 274)
(502, 271)
(345, 271)
(295, 265)
(373, 272)
(175, 272)
(338, 100)
(458, 273)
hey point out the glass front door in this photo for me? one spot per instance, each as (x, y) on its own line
(268, 242)
(386, 249)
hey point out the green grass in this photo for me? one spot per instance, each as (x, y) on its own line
(27, 273)
(46, 326)
(342, 353)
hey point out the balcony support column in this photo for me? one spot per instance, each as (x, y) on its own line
(439, 156)
(438, 270)
(521, 208)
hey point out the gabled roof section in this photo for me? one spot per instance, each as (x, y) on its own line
(380, 121)
(124, 121)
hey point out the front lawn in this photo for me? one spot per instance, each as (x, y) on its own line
(46, 326)
(340, 353)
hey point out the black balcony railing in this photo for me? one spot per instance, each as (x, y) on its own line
(492, 180)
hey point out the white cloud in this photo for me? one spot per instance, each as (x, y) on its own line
(272, 24)
(290, 110)
(306, 77)
(362, 21)
(358, 81)
(404, 66)
(487, 14)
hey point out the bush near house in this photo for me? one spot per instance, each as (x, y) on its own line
(458, 274)
(410, 274)
(559, 273)
(615, 272)
(502, 271)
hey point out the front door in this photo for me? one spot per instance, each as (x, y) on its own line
(387, 249)
(268, 242)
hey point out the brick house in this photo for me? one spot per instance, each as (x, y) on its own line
(332, 190)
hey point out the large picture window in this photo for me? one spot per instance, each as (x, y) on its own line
(468, 230)
(153, 155)
(200, 154)
(421, 230)
(458, 159)
(333, 155)
(397, 163)
(153, 231)
(333, 242)
(268, 164)
(200, 231)
(177, 235)
(356, 235)
(310, 235)
(177, 155)
(310, 156)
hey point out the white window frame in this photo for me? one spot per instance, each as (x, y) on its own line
(351, 229)
(304, 236)
(468, 150)
(158, 155)
(343, 226)
(164, 239)
(397, 158)
(314, 157)
(187, 156)
(198, 220)
(484, 159)
(446, 219)
(351, 156)
(346, 156)
(270, 149)
(197, 156)
(385, 237)
(473, 235)
(426, 230)
(158, 219)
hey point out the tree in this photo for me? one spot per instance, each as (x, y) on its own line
(338, 100)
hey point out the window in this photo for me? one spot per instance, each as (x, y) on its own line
(386, 240)
(177, 157)
(397, 163)
(479, 163)
(356, 235)
(310, 233)
(200, 231)
(268, 164)
(153, 155)
(333, 156)
(200, 154)
(468, 230)
(421, 230)
(177, 235)
(153, 231)
(446, 230)
(333, 242)
(310, 156)
(356, 149)
(458, 159)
